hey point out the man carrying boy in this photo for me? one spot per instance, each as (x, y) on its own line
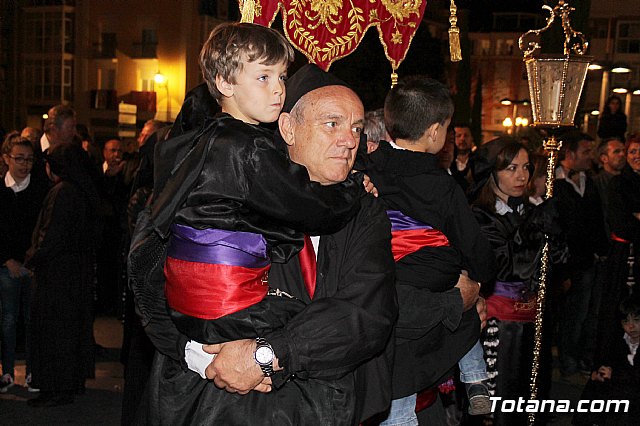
(315, 354)
(435, 238)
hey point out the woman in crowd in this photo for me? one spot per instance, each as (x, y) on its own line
(515, 230)
(62, 258)
(21, 196)
(613, 122)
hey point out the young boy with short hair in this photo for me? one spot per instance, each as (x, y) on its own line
(435, 238)
(249, 204)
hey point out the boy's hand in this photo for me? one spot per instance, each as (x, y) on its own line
(369, 186)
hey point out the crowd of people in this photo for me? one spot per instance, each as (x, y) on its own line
(336, 267)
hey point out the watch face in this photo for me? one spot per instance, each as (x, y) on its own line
(264, 355)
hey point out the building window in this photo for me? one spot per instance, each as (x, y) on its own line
(108, 45)
(628, 40)
(149, 43)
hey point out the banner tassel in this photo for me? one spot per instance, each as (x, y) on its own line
(248, 11)
(454, 34)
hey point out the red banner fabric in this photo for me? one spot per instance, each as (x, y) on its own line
(327, 30)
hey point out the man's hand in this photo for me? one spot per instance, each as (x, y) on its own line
(114, 167)
(603, 373)
(481, 306)
(234, 368)
(469, 290)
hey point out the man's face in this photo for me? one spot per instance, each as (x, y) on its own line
(146, 131)
(112, 151)
(615, 158)
(633, 156)
(581, 160)
(258, 93)
(64, 133)
(464, 139)
(324, 136)
(445, 156)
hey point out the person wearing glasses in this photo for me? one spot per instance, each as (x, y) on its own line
(21, 197)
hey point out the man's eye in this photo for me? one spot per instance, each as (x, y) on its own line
(331, 124)
(358, 130)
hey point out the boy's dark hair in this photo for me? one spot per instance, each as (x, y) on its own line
(629, 306)
(230, 44)
(415, 104)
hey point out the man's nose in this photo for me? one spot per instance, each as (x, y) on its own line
(348, 139)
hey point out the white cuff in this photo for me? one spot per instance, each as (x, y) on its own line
(197, 359)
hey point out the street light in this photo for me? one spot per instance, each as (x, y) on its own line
(555, 86)
(514, 119)
(161, 80)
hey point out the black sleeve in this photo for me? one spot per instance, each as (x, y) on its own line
(420, 310)
(281, 190)
(335, 334)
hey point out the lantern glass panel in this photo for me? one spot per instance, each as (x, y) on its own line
(555, 86)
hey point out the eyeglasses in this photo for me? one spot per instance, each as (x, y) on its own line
(22, 160)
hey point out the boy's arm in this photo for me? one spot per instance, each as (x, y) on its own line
(282, 191)
(465, 235)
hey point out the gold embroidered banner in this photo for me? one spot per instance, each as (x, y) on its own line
(327, 30)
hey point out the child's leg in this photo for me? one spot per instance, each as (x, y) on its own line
(472, 366)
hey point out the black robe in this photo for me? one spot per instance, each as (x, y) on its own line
(62, 257)
(433, 332)
(337, 364)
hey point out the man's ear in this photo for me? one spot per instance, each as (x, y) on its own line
(285, 124)
(224, 86)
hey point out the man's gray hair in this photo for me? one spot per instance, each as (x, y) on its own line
(374, 125)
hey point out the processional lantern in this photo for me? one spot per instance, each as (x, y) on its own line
(555, 86)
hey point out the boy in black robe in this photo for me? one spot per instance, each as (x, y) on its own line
(434, 239)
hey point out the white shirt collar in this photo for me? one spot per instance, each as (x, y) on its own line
(396, 146)
(10, 182)
(503, 208)
(44, 142)
(582, 183)
(633, 348)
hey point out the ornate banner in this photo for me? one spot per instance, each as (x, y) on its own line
(327, 30)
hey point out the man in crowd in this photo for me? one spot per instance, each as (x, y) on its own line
(59, 127)
(581, 217)
(337, 344)
(612, 156)
(463, 163)
(115, 197)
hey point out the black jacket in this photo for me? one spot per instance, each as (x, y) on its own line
(583, 222)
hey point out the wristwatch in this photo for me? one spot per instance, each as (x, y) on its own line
(264, 356)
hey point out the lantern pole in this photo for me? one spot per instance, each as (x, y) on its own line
(555, 86)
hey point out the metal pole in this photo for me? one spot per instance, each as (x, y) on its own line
(551, 146)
